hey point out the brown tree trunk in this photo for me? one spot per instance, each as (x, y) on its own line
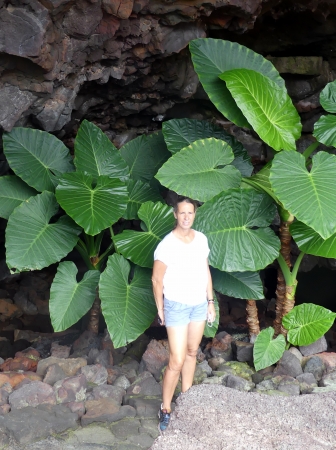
(285, 239)
(252, 319)
(288, 304)
(94, 313)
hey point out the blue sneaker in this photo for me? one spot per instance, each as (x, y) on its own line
(164, 418)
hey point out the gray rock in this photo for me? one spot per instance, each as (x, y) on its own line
(31, 424)
(287, 384)
(59, 351)
(307, 382)
(323, 390)
(315, 366)
(1, 360)
(266, 385)
(145, 406)
(72, 389)
(125, 428)
(122, 381)
(5, 390)
(215, 380)
(54, 373)
(214, 363)
(22, 301)
(318, 346)
(96, 374)
(105, 410)
(70, 366)
(145, 384)
(239, 384)
(106, 391)
(289, 365)
(32, 394)
(14, 103)
(296, 352)
(204, 367)
(328, 380)
(243, 351)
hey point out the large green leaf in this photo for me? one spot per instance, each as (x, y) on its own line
(266, 350)
(139, 246)
(236, 224)
(13, 191)
(180, 133)
(211, 331)
(70, 300)
(96, 155)
(197, 171)
(31, 241)
(309, 196)
(328, 97)
(325, 130)
(307, 322)
(212, 57)
(139, 193)
(145, 155)
(128, 306)
(311, 242)
(261, 182)
(268, 107)
(37, 157)
(93, 204)
(246, 285)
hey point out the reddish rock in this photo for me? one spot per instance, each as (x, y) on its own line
(221, 346)
(19, 363)
(13, 378)
(112, 374)
(119, 8)
(32, 394)
(96, 374)
(100, 410)
(8, 310)
(72, 389)
(4, 409)
(77, 407)
(156, 357)
(29, 352)
(329, 360)
(59, 351)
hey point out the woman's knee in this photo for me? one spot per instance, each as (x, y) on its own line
(176, 363)
(192, 352)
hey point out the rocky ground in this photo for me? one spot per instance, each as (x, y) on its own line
(89, 395)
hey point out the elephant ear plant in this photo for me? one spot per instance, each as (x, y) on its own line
(247, 89)
(55, 204)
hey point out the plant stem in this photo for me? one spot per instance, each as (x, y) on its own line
(94, 312)
(98, 242)
(297, 265)
(112, 239)
(284, 275)
(288, 303)
(85, 256)
(252, 319)
(309, 150)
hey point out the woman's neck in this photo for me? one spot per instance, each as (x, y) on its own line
(184, 235)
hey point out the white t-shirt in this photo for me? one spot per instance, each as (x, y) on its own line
(186, 277)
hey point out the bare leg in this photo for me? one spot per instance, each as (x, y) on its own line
(195, 333)
(177, 338)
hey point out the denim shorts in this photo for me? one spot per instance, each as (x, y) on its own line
(177, 314)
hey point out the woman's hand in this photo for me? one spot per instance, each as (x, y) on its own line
(211, 311)
(161, 317)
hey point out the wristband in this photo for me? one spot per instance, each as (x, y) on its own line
(211, 300)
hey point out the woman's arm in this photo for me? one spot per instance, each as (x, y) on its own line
(159, 269)
(211, 305)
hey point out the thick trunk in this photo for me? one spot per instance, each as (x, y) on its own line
(288, 304)
(285, 239)
(252, 319)
(94, 313)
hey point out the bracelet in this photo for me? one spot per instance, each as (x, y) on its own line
(211, 300)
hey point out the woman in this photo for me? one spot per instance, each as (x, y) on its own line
(183, 294)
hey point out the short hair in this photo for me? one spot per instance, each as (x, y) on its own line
(181, 199)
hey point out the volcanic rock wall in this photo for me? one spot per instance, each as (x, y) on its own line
(125, 65)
